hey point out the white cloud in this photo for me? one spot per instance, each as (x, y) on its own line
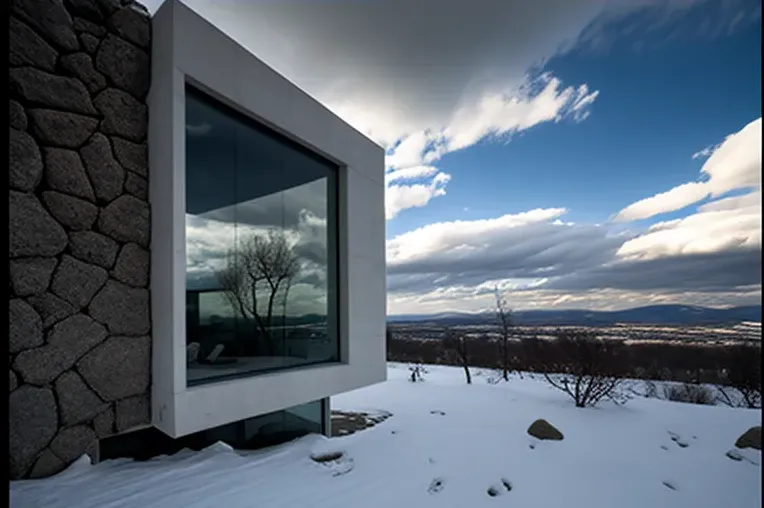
(733, 164)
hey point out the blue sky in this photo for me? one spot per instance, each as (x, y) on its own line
(573, 153)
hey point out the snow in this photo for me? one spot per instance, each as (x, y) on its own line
(446, 444)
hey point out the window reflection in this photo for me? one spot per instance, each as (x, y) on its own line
(261, 258)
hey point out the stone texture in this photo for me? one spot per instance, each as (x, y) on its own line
(47, 465)
(123, 115)
(18, 117)
(137, 186)
(71, 443)
(542, 429)
(57, 128)
(126, 219)
(751, 438)
(105, 172)
(118, 368)
(104, 423)
(132, 412)
(132, 25)
(13, 381)
(51, 308)
(125, 65)
(90, 43)
(32, 423)
(33, 232)
(132, 266)
(87, 9)
(77, 282)
(24, 161)
(133, 156)
(65, 173)
(80, 65)
(93, 248)
(67, 342)
(109, 7)
(51, 91)
(31, 276)
(28, 48)
(50, 19)
(77, 403)
(74, 213)
(25, 326)
(123, 309)
(83, 25)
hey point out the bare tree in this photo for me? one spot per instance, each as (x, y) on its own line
(259, 268)
(456, 347)
(584, 368)
(504, 318)
(743, 375)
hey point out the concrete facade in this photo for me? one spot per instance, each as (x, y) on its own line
(234, 76)
(79, 339)
(97, 335)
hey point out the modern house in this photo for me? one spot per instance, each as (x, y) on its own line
(197, 247)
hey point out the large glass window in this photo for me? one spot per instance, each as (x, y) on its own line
(261, 247)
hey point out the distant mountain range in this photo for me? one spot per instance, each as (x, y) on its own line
(654, 314)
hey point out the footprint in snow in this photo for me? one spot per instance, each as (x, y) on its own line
(436, 486)
(437, 412)
(494, 491)
(670, 485)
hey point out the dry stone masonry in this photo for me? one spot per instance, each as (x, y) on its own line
(79, 337)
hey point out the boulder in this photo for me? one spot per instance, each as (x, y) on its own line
(83, 25)
(31, 276)
(13, 381)
(33, 232)
(125, 65)
(72, 443)
(57, 128)
(28, 48)
(90, 43)
(67, 342)
(77, 282)
(51, 90)
(118, 368)
(104, 423)
(133, 156)
(542, 429)
(25, 326)
(50, 19)
(132, 412)
(80, 65)
(74, 213)
(105, 172)
(751, 438)
(18, 117)
(77, 403)
(123, 115)
(123, 309)
(87, 9)
(47, 465)
(132, 266)
(93, 248)
(137, 186)
(65, 173)
(126, 219)
(32, 423)
(132, 25)
(51, 308)
(24, 161)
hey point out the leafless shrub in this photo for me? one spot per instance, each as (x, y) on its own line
(742, 375)
(585, 369)
(690, 393)
(456, 347)
(417, 372)
(504, 318)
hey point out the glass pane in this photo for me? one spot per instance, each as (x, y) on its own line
(261, 218)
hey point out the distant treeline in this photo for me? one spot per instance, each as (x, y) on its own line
(692, 362)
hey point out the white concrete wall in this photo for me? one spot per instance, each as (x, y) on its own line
(188, 48)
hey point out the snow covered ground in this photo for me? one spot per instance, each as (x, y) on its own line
(446, 445)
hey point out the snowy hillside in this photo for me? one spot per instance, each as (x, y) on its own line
(446, 444)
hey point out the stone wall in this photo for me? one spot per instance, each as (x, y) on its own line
(79, 338)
